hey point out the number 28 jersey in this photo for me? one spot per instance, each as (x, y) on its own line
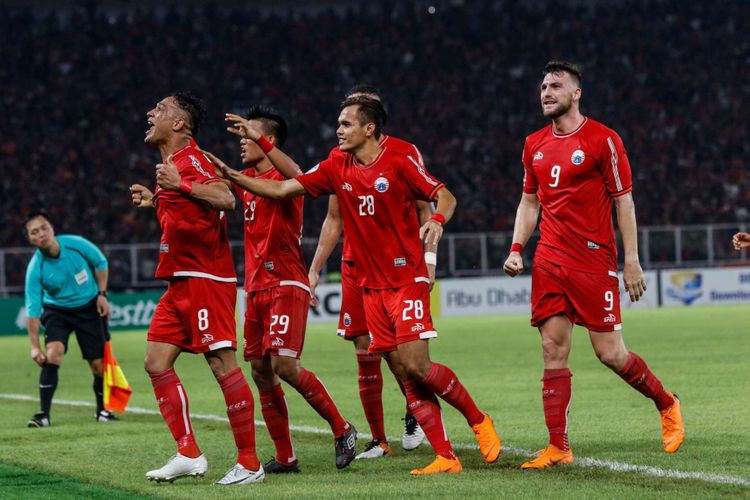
(377, 207)
(576, 176)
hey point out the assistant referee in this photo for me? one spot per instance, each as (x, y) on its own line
(66, 290)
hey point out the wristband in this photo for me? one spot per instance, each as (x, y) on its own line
(430, 258)
(186, 186)
(265, 145)
(516, 247)
(438, 217)
(103, 293)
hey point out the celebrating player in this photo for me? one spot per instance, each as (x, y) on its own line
(576, 168)
(352, 322)
(196, 314)
(278, 298)
(376, 188)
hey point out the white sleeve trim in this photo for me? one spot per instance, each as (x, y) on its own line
(422, 279)
(428, 335)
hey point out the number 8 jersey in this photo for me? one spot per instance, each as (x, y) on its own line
(377, 207)
(576, 176)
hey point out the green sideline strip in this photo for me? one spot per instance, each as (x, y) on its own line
(16, 482)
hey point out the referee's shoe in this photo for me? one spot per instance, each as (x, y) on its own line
(40, 419)
(105, 416)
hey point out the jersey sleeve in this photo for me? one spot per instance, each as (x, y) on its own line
(196, 167)
(33, 288)
(90, 252)
(423, 185)
(319, 180)
(615, 166)
(530, 182)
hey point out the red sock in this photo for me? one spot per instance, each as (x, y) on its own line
(317, 396)
(371, 392)
(276, 416)
(173, 405)
(426, 409)
(637, 374)
(444, 383)
(556, 393)
(241, 413)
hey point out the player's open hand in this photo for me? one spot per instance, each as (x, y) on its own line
(38, 356)
(634, 280)
(242, 127)
(314, 278)
(222, 169)
(142, 197)
(513, 264)
(431, 232)
(741, 240)
(167, 176)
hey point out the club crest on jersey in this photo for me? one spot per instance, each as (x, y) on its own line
(347, 320)
(577, 157)
(538, 156)
(269, 265)
(399, 261)
(381, 184)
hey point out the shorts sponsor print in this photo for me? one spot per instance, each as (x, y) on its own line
(398, 315)
(196, 314)
(352, 319)
(275, 322)
(591, 300)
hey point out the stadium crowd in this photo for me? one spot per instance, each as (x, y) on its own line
(670, 76)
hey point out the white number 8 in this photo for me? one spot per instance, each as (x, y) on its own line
(203, 319)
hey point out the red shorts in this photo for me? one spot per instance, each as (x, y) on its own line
(275, 322)
(591, 300)
(352, 320)
(398, 315)
(196, 314)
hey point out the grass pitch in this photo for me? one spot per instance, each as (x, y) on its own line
(700, 353)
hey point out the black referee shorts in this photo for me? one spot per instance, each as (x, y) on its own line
(91, 329)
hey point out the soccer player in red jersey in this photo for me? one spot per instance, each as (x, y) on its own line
(576, 168)
(376, 188)
(278, 298)
(352, 322)
(196, 314)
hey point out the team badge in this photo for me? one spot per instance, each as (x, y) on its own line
(347, 320)
(381, 184)
(577, 157)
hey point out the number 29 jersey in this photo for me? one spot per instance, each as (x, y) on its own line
(377, 207)
(576, 176)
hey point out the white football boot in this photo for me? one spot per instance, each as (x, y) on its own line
(179, 466)
(240, 475)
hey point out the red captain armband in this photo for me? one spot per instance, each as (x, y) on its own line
(186, 186)
(265, 145)
(516, 247)
(439, 218)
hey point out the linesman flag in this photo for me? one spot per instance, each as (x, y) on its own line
(116, 388)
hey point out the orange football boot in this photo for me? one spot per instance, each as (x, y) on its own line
(489, 441)
(548, 457)
(672, 428)
(441, 464)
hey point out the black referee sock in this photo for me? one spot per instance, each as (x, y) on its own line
(47, 385)
(99, 392)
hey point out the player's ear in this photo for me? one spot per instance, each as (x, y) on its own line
(178, 124)
(370, 129)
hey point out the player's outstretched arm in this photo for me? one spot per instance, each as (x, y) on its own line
(330, 232)
(632, 276)
(741, 240)
(527, 215)
(283, 163)
(141, 196)
(432, 230)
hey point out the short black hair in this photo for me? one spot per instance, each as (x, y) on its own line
(33, 215)
(568, 67)
(273, 123)
(369, 111)
(193, 106)
(363, 88)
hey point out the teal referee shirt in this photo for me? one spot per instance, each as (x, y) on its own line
(66, 281)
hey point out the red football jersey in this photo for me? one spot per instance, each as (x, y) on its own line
(194, 240)
(395, 144)
(273, 228)
(576, 176)
(377, 207)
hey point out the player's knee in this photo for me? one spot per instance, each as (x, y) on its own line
(154, 366)
(611, 358)
(553, 350)
(416, 369)
(97, 367)
(287, 371)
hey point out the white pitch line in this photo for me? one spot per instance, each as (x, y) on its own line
(593, 463)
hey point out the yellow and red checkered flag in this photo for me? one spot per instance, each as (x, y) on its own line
(116, 388)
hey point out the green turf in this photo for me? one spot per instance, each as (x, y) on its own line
(701, 353)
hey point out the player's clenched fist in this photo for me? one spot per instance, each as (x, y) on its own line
(141, 196)
(741, 240)
(513, 264)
